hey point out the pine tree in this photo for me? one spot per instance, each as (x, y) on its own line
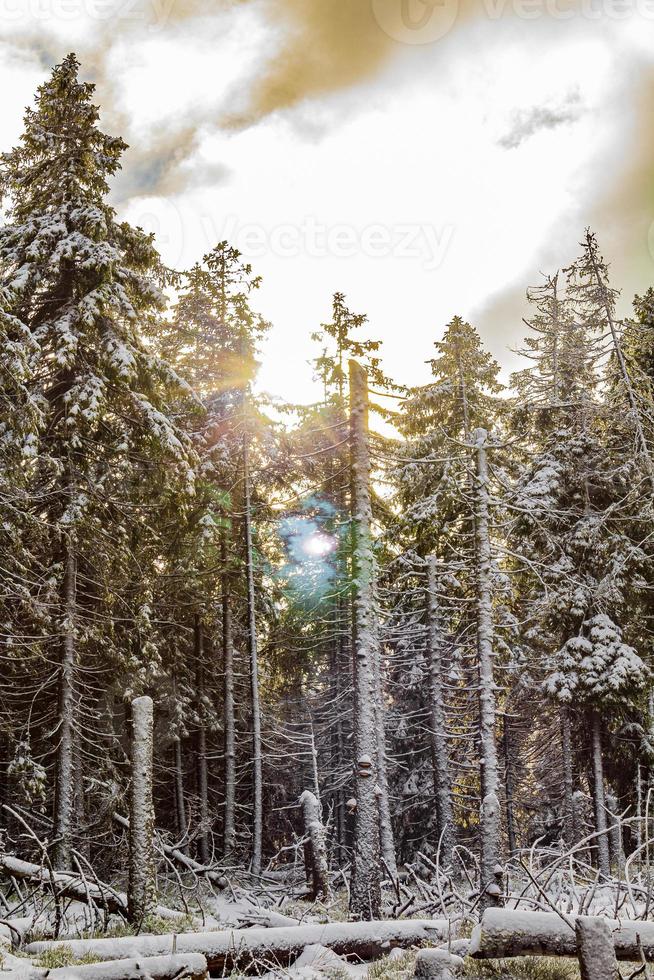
(84, 288)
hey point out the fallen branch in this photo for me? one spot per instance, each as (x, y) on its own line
(215, 877)
(227, 948)
(509, 932)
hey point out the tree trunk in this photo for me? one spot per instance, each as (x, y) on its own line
(65, 781)
(383, 797)
(315, 831)
(180, 803)
(569, 821)
(490, 813)
(595, 949)
(508, 783)
(141, 893)
(365, 887)
(437, 723)
(202, 773)
(616, 849)
(603, 862)
(257, 765)
(229, 825)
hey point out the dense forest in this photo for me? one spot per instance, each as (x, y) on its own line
(398, 641)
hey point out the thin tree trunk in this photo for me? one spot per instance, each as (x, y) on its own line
(616, 849)
(603, 861)
(141, 892)
(65, 778)
(387, 840)
(202, 773)
(365, 887)
(437, 723)
(569, 821)
(490, 813)
(257, 765)
(508, 783)
(180, 803)
(229, 825)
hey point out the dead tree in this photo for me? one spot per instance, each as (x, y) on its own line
(315, 832)
(141, 892)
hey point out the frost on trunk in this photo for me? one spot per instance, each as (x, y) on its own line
(365, 888)
(490, 813)
(387, 840)
(437, 722)
(257, 771)
(569, 817)
(595, 949)
(202, 772)
(141, 894)
(229, 825)
(603, 862)
(65, 775)
(616, 848)
(315, 831)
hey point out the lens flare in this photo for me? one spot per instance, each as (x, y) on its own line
(318, 545)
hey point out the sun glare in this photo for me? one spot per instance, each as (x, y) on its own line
(318, 545)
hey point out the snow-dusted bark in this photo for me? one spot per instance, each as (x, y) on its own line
(65, 776)
(141, 894)
(490, 812)
(616, 848)
(226, 948)
(180, 802)
(315, 831)
(365, 891)
(192, 966)
(387, 839)
(202, 772)
(595, 949)
(229, 725)
(437, 721)
(599, 799)
(508, 781)
(257, 761)
(569, 820)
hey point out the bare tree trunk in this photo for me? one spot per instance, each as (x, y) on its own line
(365, 887)
(616, 848)
(508, 783)
(180, 803)
(569, 821)
(65, 762)
(315, 831)
(202, 773)
(490, 813)
(595, 949)
(603, 861)
(141, 891)
(229, 825)
(257, 764)
(437, 723)
(387, 840)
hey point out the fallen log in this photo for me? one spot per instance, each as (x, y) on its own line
(506, 933)
(68, 885)
(192, 965)
(230, 947)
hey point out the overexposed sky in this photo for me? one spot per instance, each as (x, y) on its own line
(426, 158)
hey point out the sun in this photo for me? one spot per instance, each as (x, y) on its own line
(318, 545)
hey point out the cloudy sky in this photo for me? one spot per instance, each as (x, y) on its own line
(425, 157)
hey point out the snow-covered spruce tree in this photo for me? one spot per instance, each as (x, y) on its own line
(81, 288)
(434, 508)
(600, 673)
(573, 517)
